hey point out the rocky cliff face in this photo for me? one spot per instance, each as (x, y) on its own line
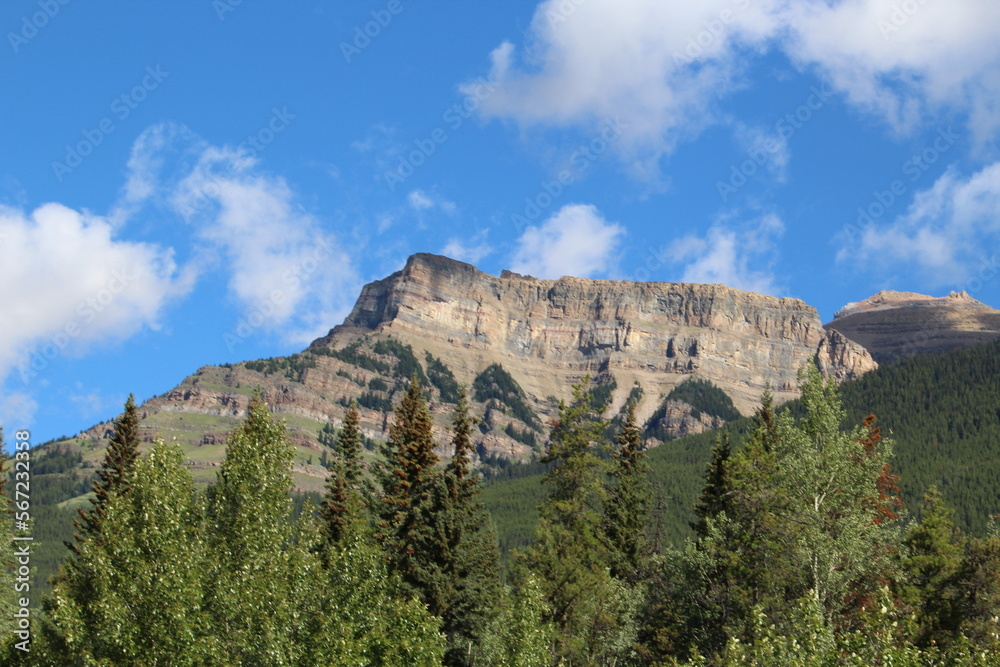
(550, 332)
(891, 325)
(640, 339)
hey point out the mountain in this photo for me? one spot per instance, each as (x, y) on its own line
(940, 410)
(892, 325)
(519, 343)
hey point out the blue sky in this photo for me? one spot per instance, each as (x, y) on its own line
(192, 183)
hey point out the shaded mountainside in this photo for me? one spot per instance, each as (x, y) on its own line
(451, 324)
(892, 325)
(942, 412)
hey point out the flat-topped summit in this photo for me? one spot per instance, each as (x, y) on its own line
(897, 324)
(551, 332)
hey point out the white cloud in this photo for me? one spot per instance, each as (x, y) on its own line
(72, 284)
(770, 150)
(17, 409)
(942, 234)
(470, 251)
(283, 267)
(662, 65)
(576, 241)
(742, 257)
(419, 201)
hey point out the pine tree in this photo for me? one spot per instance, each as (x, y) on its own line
(343, 504)
(627, 507)
(459, 567)
(408, 476)
(717, 495)
(113, 477)
(590, 609)
(931, 559)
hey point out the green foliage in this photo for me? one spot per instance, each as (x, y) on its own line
(258, 581)
(373, 401)
(705, 397)
(407, 475)
(378, 384)
(591, 610)
(441, 377)
(702, 396)
(343, 503)
(527, 437)
(497, 384)
(626, 509)
(353, 354)
(459, 571)
(113, 477)
(290, 367)
(134, 596)
(521, 633)
(600, 394)
(366, 619)
(407, 365)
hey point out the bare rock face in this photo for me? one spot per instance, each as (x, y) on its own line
(548, 333)
(891, 325)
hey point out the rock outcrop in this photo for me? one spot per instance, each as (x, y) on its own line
(891, 324)
(548, 333)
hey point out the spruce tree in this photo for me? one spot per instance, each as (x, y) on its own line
(590, 610)
(717, 495)
(113, 476)
(628, 497)
(460, 567)
(932, 553)
(343, 504)
(407, 476)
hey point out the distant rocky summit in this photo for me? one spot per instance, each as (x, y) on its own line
(892, 325)
(518, 343)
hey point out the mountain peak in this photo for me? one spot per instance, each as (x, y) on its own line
(893, 324)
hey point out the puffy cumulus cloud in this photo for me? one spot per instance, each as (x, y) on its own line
(586, 62)
(943, 233)
(662, 65)
(905, 59)
(740, 256)
(72, 284)
(289, 274)
(575, 241)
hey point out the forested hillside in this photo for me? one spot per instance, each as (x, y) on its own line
(942, 411)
